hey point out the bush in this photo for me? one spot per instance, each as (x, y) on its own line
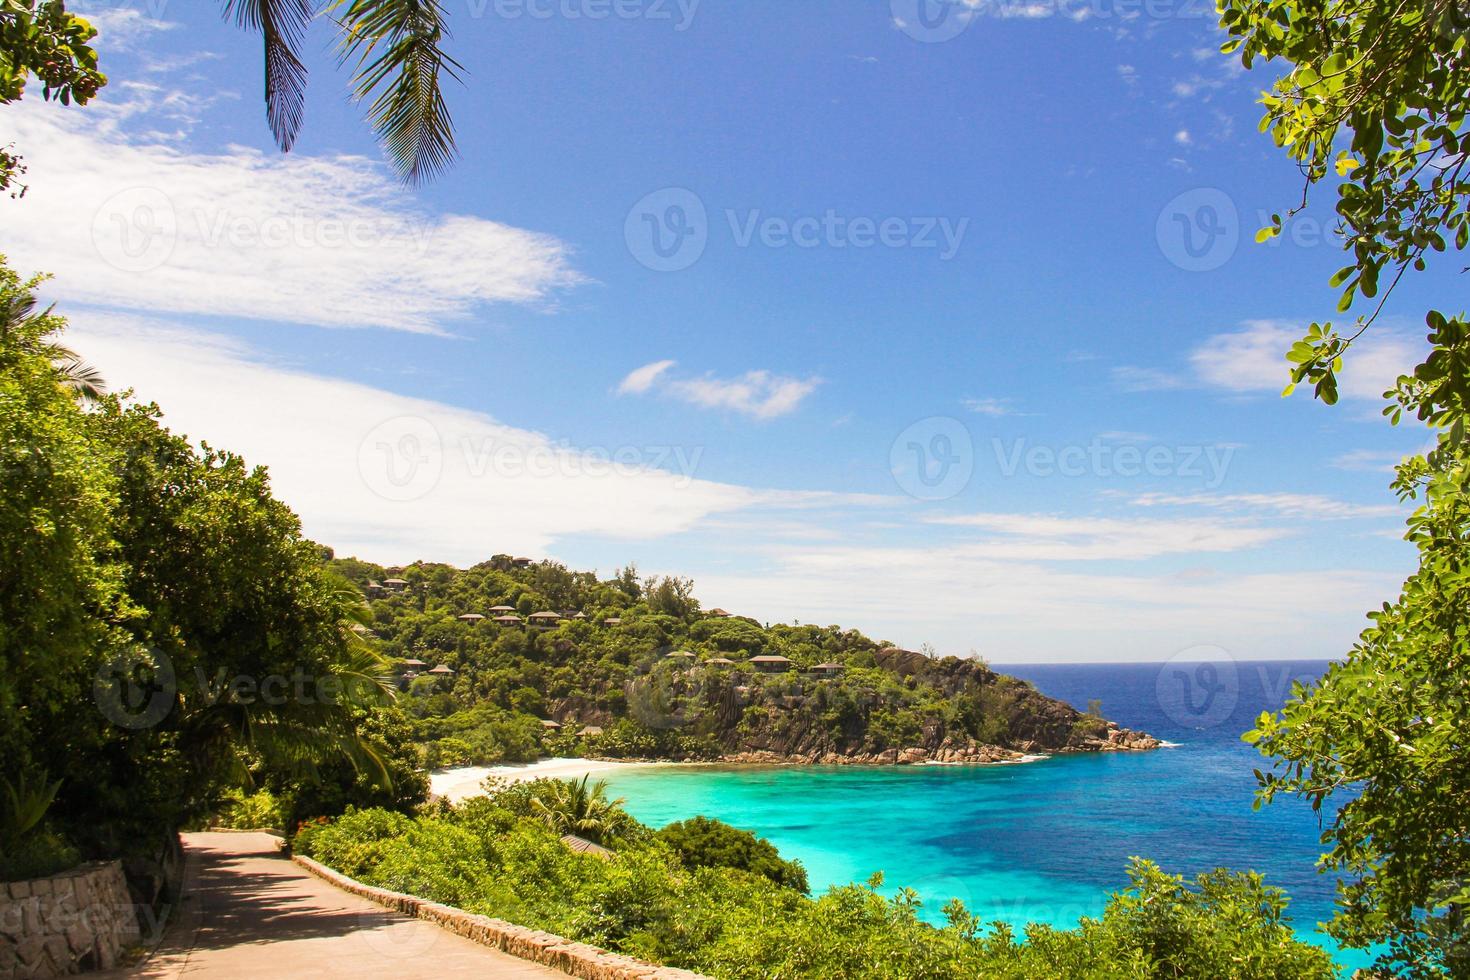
(726, 922)
(259, 810)
(356, 842)
(38, 854)
(705, 843)
(303, 841)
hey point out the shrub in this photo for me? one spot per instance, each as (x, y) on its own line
(705, 843)
(727, 922)
(38, 854)
(255, 811)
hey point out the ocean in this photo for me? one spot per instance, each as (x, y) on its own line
(1044, 841)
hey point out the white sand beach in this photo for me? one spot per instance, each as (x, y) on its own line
(464, 782)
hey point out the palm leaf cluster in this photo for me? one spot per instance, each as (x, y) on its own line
(395, 48)
(570, 806)
(17, 312)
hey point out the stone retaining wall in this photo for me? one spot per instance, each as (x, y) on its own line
(576, 959)
(77, 920)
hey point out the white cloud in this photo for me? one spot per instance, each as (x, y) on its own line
(1253, 359)
(758, 394)
(1130, 378)
(393, 478)
(120, 27)
(994, 407)
(1019, 609)
(130, 222)
(1045, 537)
(1368, 461)
(1295, 506)
(334, 449)
(1183, 138)
(639, 380)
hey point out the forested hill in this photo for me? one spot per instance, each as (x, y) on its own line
(513, 659)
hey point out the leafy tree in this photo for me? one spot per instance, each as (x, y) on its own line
(704, 843)
(62, 591)
(163, 624)
(39, 39)
(671, 596)
(1375, 97)
(339, 785)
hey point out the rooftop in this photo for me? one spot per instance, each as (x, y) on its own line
(583, 846)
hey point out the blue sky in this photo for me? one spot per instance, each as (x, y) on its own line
(926, 351)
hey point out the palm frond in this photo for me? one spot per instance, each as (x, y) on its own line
(85, 381)
(400, 62)
(16, 310)
(282, 24)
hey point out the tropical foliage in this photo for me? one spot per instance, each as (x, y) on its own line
(39, 39)
(704, 843)
(399, 65)
(652, 901)
(165, 631)
(573, 807)
(1375, 98)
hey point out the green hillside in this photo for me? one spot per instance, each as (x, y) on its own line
(513, 659)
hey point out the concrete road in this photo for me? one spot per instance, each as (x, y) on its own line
(250, 912)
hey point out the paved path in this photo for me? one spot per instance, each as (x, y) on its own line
(250, 912)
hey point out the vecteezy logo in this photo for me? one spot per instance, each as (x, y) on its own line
(401, 459)
(932, 21)
(136, 689)
(149, 8)
(392, 937)
(1198, 230)
(1198, 687)
(136, 230)
(667, 692)
(667, 231)
(933, 459)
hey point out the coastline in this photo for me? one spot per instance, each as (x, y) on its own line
(464, 782)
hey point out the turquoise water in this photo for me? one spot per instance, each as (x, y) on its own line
(1045, 841)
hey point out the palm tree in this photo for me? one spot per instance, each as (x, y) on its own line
(294, 734)
(571, 807)
(19, 319)
(398, 63)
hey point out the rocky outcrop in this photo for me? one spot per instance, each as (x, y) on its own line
(939, 710)
(792, 721)
(975, 755)
(1124, 740)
